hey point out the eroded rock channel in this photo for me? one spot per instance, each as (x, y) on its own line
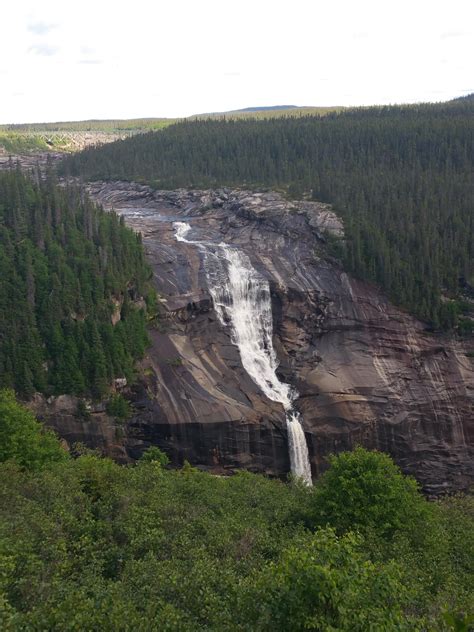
(366, 372)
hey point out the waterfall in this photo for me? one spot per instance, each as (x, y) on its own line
(242, 301)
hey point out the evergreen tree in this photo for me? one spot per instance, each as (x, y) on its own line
(400, 176)
(62, 261)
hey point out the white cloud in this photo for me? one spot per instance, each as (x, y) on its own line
(120, 59)
(44, 50)
(41, 28)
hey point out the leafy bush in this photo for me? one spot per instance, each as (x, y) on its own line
(366, 490)
(86, 544)
(23, 438)
(154, 455)
(323, 582)
(118, 407)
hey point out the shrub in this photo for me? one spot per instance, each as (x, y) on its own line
(323, 582)
(365, 490)
(154, 455)
(23, 438)
(118, 407)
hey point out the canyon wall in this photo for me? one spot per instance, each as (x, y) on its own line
(366, 372)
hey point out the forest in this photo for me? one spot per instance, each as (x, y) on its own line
(400, 176)
(67, 267)
(86, 544)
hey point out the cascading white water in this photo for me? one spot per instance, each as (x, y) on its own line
(241, 300)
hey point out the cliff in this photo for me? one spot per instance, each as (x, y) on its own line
(367, 372)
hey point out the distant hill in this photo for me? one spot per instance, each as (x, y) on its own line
(466, 97)
(72, 136)
(271, 111)
(266, 107)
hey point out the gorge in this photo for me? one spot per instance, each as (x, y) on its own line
(366, 372)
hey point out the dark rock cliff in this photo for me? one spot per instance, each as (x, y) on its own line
(366, 371)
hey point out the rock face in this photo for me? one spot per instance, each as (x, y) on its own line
(96, 429)
(366, 372)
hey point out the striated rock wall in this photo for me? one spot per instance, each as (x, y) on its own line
(95, 430)
(367, 372)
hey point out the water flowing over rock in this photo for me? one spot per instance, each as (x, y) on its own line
(241, 298)
(366, 372)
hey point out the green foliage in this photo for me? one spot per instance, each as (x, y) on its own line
(154, 455)
(23, 438)
(86, 544)
(323, 582)
(64, 136)
(177, 361)
(118, 407)
(17, 143)
(91, 545)
(366, 491)
(269, 113)
(106, 125)
(459, 622)
(65, 263)
(399, 176)
(82, 411)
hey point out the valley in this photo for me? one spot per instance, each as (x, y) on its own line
(366, 372)
(236, 318)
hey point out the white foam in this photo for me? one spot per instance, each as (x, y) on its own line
(242, 301)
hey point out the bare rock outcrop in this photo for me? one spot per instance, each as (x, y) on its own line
(366, 372)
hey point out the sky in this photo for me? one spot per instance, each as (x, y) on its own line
(69, 60)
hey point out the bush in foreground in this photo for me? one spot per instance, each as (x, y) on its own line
(86, 544)
(23, 438)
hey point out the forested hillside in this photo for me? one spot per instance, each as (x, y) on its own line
(401, 177)
(66, 267)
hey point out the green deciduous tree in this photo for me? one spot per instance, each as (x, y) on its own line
(323, 583)
(23, 438)
(365, 490)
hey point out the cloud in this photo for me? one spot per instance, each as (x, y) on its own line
(453, 34)
(91, 61)
(41, 28)
(89, 56)
(43, 50)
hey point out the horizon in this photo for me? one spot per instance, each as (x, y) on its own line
(245, 109)
(110, 61)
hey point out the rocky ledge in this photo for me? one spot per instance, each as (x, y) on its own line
(367, 372)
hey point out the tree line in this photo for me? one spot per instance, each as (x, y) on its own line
(401, 178)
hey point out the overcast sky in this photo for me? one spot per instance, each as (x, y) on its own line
(71, 60)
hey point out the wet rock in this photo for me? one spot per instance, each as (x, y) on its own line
(367, 372)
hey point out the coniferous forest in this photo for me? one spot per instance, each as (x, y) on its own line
(66, 267)
(401, 178)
